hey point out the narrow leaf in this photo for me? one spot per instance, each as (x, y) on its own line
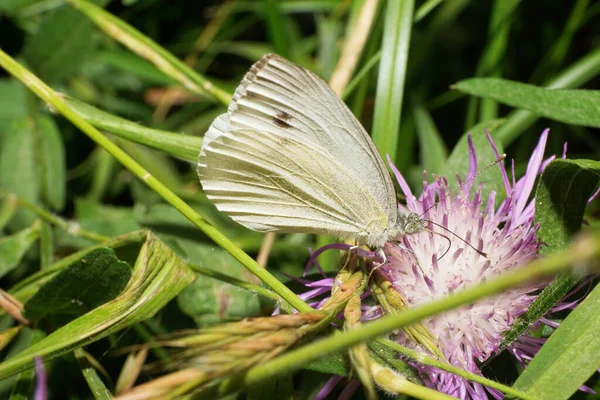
(569, 357)
(392, 72)
(178, 145)
(51, 163)
(572, 106)
(18, 172)
(158, 276)
(91, 376)
(433, 149)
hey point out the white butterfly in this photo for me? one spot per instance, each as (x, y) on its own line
(289, 156)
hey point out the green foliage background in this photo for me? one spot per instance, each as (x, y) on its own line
(62, 194)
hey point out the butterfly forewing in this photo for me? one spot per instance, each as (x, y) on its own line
(290, 156)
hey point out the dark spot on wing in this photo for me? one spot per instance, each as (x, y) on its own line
(281, 120)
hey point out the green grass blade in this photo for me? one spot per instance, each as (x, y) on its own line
(392, 73)
(491, 62)
(557, 53)
(575, 107)
(94, 381)
(574, 76)
(569, 357)
(145, 47)
(276, 27)
(433, 149)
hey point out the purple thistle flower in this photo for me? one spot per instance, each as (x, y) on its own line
(426, 266)
(506, 233)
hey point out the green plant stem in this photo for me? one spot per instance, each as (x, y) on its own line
(234, 281)
(576, 75)
(423, 359)
(34, 84)
(72, 228)
(584, 249)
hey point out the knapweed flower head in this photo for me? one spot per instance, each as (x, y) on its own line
(427, 266)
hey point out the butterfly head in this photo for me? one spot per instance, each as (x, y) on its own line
(410, 223)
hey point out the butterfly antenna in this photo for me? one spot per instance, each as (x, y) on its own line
(499, 159)
(445, 237)
(481, 253)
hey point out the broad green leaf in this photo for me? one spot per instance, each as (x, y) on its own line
(571, 106)
(14, 247)
(18, 173)
(569, 357)
(84, 285)
(123, 245)
(561, 198)
(458, 162)
(13, 102)
(281, 388)
(575, 75)
(392, 72)
(157, 277)
(51, 163)
(103, 219)
(62, 44)
(335, 364)
(206, 300)
(562, 195)
(433, 149)
(178, 145)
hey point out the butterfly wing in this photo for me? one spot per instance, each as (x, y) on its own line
(290, 156)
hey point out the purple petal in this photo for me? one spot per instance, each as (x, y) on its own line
(41, 384)
(594, 196)
(410, 198)
(500, 164)
(533, 168)
(472, 165)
